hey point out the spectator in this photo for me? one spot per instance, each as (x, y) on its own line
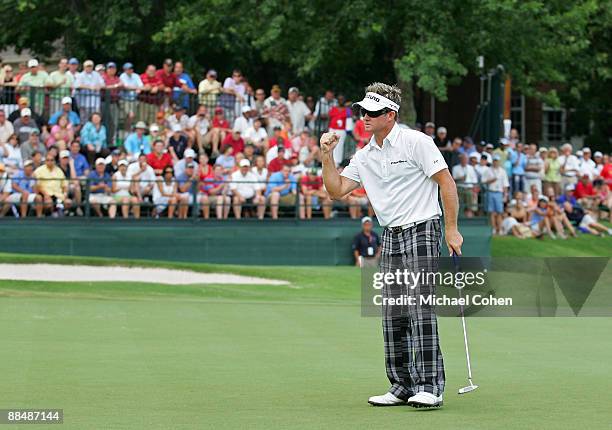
(260, 172)
(123, 191)
(178, 117)
(249, 153)
(282, 191)
(34, 82)
(366, 245)
(5, 190)
(7, 87)
(132, 86)
(220, 129)
(357, 200)
(467, 146)
(589, 224)
(151, 95)
(112, 84)
(257, 135)
(233, 96)
(274, 142)
(159, 159)
(143, 177)
(73, 69)
(137, 142)
(277, 163)
(604, 197)
(338, 116)
(260, 99)
(33, 144)
(185, 182)
(314, 193)
(430, 129)
(215, 193)
(321, 112)
(497, 192)
(540, 221)
(466, 178)
(184, 87)
(235, 141)
(25, 125)
(74, 186)
(298, 111)
(6, 128)
(442, 142)
(514, 138)
(198, 128)
(245, 189)
(52, 186)
(10, 154)
(22, 104)
(88, 84)
(588, 166)
(66, 110)
(598, 158)
(299, 145)
(188, 157)
(100, 189)
(23, 193)
(533, 168)
(488, 154)
(275, 108)
(165, 193)
(177, 143)
(552, 174)
(569, 166)
(62, 133)
(93, 138)
(359, 132)
(112, 161)
(244, 121)
(209, 90)
(226, 160)
(60, 83)
(518, 161)
(585, 193)
(557, 215)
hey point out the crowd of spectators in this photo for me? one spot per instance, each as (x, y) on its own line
(155, 143)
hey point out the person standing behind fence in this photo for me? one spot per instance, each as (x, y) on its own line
(168, 79)
(569, 166)
(111, 101)
(533, 168)
(60, 83)
(321, 112)
(151, 96)
(93, 138)
(466, 178)
(88, 85)
(181, 93)
(33, 83)
(209, 90)
(132, 85)
(233, 96)
(275, 109)
(298, 111)
(338, 117)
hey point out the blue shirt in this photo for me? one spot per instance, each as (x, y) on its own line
(96, 179)
(135, 145)
(130, 81)
(518, 168)
(73, 117)
(181, 179)
(178, 94)
(80, 164)
(563, 198)
(23, 181)
(277, 179)
(91, 136)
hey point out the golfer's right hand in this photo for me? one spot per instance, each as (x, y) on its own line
(328, 142)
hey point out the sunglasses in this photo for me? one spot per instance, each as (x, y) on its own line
(374, 114)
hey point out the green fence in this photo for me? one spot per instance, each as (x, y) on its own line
(251, 242)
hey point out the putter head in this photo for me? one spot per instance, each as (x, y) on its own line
(467, 389)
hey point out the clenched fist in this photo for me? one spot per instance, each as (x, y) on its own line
(329, 141)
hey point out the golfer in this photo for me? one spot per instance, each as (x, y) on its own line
(402, 171)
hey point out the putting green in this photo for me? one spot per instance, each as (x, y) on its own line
(134, 356)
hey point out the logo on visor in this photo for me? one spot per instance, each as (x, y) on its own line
(373, 98)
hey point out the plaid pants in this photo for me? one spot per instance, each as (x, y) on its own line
(413, 359)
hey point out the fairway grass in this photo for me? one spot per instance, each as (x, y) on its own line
(300, 356)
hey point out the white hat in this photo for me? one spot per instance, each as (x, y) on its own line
(122, 162)
(543, 197)
(26, 112)
(374, 102)
(597, 154)
(100, 161)
(366, 219)
(570, 187)
(245, 163)
(64, 153)
(475, 155)
(141, 124)
(442, 130)
(579, 153)
(189, 153)
(66, 100)
(33, 62)
(586, 149)
(246, 108)
(176, 128)
(154, 127)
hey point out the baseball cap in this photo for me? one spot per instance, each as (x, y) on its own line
(66, 100)
(32, 62)
(212, 72)
(246, 108)
(140, 124)
(64, 153)
(190, 166)
(154, 127)
(245, 163)
(496, 157)
(189, 153)
(236, 130)
(475, 155)
(99, 68)
(570, 187)
(374, 102)
(88, 63)
(28, 163)
(35, 131)
(294, 90)
(442, 130)
(366, 219)
(543, 149)
(111, 64)
(26, 112)
(73, 61)
(168, 61)
(597, 154)
(100, 161)
(176, 128)
(127, 66)
(586, 149)
(116, 151)
(579, 153)
(430, 125)
(489, 146)
(543, 198)
(123, 162)
(504, 141)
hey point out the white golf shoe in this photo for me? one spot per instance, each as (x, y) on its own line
(386, 399)
(425, 400)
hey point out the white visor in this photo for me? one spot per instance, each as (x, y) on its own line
(374, 102)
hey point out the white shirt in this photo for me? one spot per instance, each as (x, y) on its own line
(246, 185)
(588, 167)
(145, 179)
(255, 136)
(262, 177)
(500, 176)
(397, 177)
(199, 123)
(298, 111)
(468, 173)
(242, 124)
(572, 163)
(13, 157)
(6, 130)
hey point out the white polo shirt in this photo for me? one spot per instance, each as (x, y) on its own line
(397, 177)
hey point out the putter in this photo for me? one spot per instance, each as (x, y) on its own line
(472, 386)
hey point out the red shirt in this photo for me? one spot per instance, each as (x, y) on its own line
(220, 122)
(583, 190)
(152, 81)
(278, 139)
(276, 165)
(159, 163)
(169, 80)
(362, 136)
(606, 174)
(110, 81)
(237, 144)
(337, 118)
(311, 182)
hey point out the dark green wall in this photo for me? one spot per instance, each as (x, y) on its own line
(282, 242)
